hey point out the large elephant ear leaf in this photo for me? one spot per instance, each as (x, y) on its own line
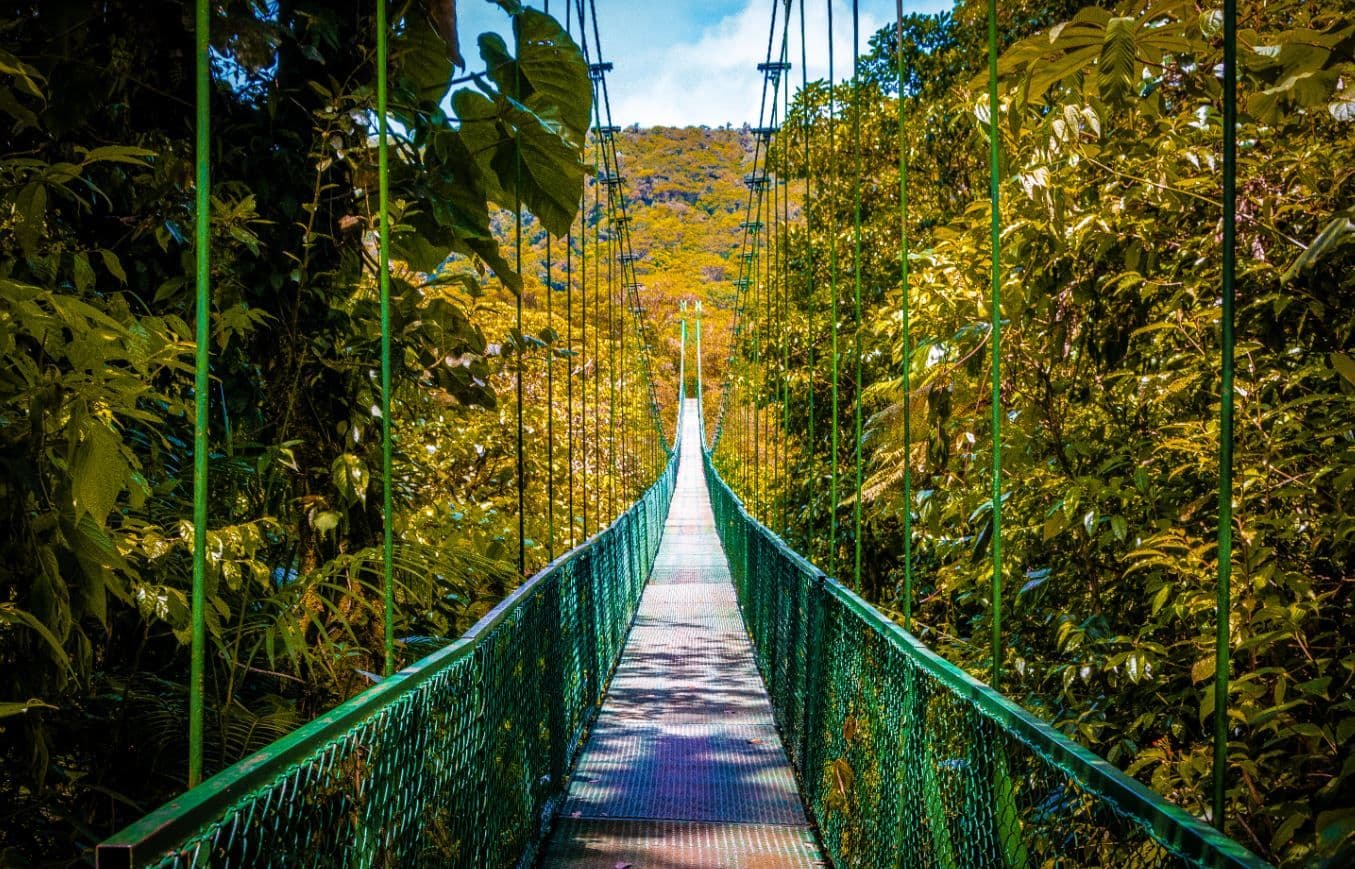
(499, 63)
(544, 169)
(553, 66)
(484, 138)
(422, 64)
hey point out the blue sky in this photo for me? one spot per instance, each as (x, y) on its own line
(688, 62)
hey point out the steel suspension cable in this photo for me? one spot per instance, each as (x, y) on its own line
(569, 335)
(784, 277)
(809, 272)
(907, 353)
(1223, 605)
(856, 280)
(607, 140)
(598, 483)
(583, 357)
(383, 278)
(995, 326)
(550, 392)
(569, 376)
(202, 211)
(775, 328)
(611, 360)
(759, 288)
(833, 290)
(550, 408)
(731, 378)
(519, 342)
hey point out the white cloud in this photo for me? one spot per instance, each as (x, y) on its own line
(714, 80)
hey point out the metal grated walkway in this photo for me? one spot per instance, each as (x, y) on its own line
(684, 767)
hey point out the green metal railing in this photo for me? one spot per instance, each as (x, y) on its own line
(906, 760)
(459, 759)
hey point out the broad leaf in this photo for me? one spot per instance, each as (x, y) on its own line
(1118, 61)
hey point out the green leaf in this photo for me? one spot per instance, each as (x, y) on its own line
(1345, 366)
(83, 272)
(1335, 827)
(114, 265)
(1288, 827)
(12, 615)
(551, 62)
(326, 521)
(421, 61)
(31, 205)
(1119, 58)
(99, 471)
(1339, 232)
(545, 169)
(116, 154)
(9, 708)
(417, 251)
(350, 479)
(499, 62)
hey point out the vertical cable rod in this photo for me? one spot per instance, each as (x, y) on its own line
(569, 334)
(811, 312)
(1223, 613)
(734, 375)
(833, 308)
(995, 320)
(550, 407)
(907, 352)
(856, 282)
(519, 341)
(201, 383)
(383, 277)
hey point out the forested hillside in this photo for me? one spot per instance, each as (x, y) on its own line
(1111, 256)
(686, 203)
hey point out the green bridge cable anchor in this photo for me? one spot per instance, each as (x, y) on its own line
(1223, 611)
(994, 155)
(202, 148)
(907, 346)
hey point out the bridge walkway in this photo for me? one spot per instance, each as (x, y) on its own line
(684, 766)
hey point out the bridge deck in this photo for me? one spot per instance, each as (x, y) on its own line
(684, 767)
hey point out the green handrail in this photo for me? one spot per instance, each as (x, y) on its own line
(905, 759)
(458, 759)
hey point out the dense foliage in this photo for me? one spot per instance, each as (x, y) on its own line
(1110, 136)
(96, 297)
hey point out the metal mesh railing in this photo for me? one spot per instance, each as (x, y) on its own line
(457, 760)
(906, 760)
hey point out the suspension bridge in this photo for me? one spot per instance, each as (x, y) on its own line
(682, 689)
